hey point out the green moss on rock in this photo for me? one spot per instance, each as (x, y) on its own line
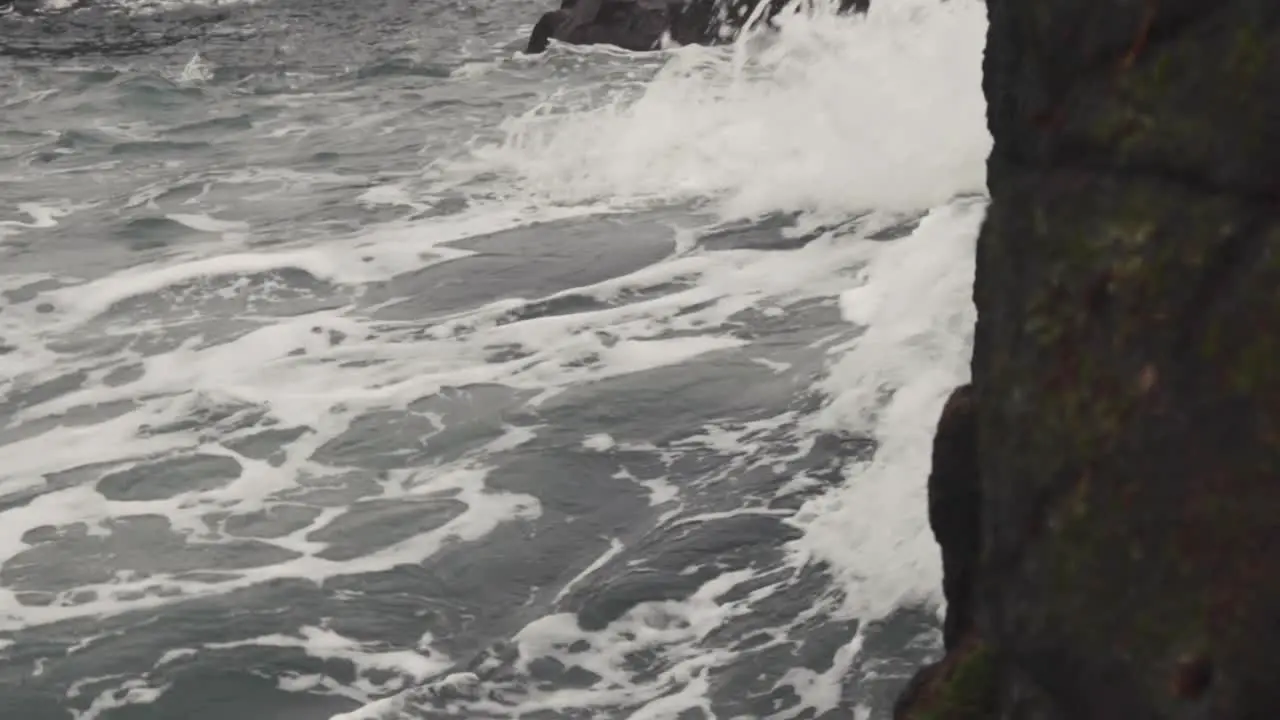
(969, 692)
(964, 686)
(1127, 361)
(1126, 368)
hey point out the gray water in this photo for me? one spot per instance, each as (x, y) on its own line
(322, 379)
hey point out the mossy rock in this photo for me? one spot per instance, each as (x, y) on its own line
(1127, 355)
(963, 686)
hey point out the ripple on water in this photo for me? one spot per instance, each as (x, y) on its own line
(67, 558)
(334, 490)
(678, 561)
(170, 477)
(124, 375)
(268, 445)
(23, 398)
(223, 298)
(381, 440)
(213, 416)
(154, 92)
(436, 429)
(81, 139)
(32, 290)
(150, 233)
(213, 126)
(99, 76)
(731, 384)
(273, 522)
(552, 257)
(407, 67)
(157, 147)
(372, 525)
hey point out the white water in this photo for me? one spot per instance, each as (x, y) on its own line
(831, 116)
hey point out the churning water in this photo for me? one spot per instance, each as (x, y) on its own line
(344, 348)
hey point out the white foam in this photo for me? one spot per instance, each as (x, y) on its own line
(379, 255)
(916, 303)
(205, 223)
(328, 645)
(484, 510)
(599, 442)
(43, 216)
(823, 691)
(175, 655)
(197, 71)
(391, 194)
(669, 627)
(135, 692)
(388, 708)
(615, 547)
(881, 112)
(831, 116)
(661, 490)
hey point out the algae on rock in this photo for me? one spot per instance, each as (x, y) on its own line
(1126, 369)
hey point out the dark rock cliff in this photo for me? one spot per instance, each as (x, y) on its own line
(1125, 406)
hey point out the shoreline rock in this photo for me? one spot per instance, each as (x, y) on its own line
(1126, 372)
(687, 22)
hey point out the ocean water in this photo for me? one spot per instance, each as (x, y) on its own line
(344, 349)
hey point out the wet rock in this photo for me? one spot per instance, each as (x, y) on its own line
(1127, 394)
(640, 26)
(962, 686)
(955, 499)
(954, 510)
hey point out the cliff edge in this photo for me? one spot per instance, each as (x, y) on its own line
(1107, 492)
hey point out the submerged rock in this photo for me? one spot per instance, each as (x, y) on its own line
(1126, 369)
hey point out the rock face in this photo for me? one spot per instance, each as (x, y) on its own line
(1126, 372)
(955, 511)
(708, 22)
(688, 22)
